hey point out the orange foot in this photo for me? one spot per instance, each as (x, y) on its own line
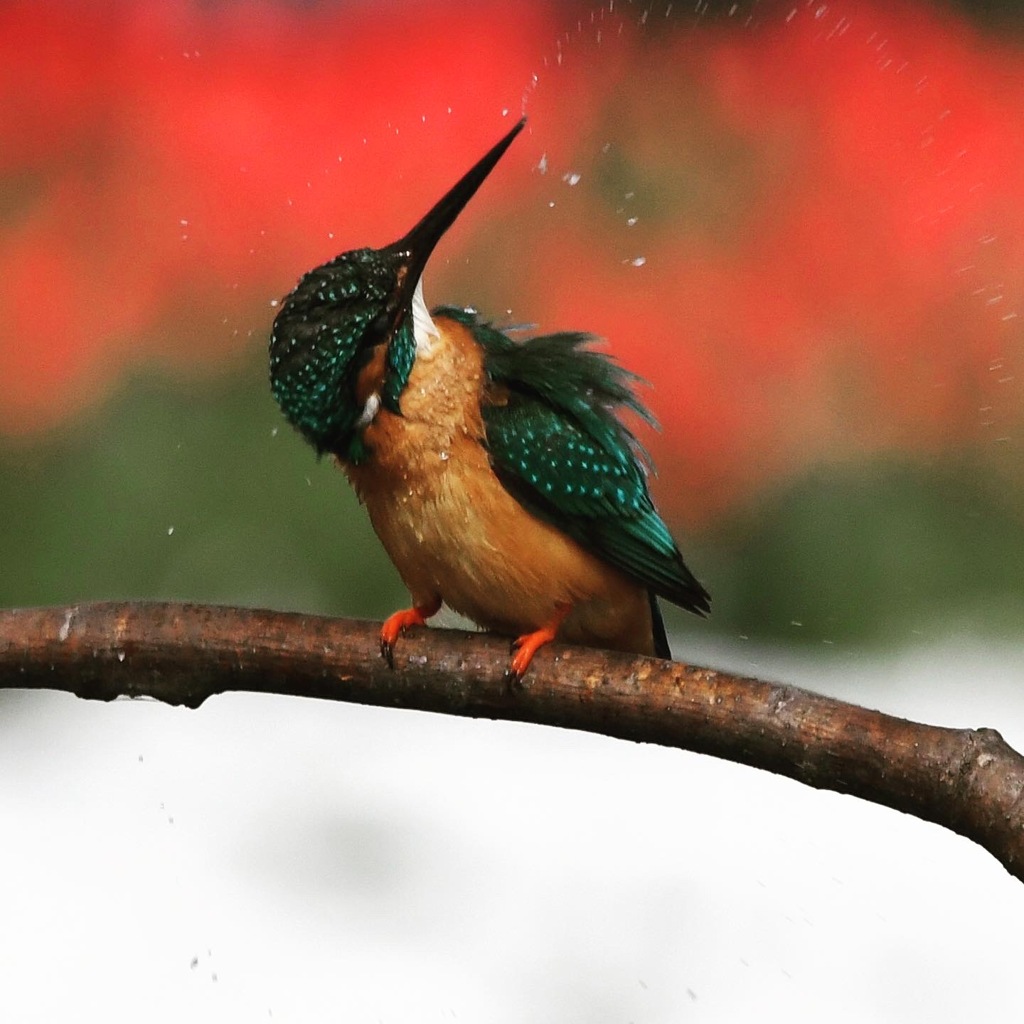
(526, 646)
(395, 625)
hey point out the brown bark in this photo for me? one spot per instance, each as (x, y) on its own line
(968, 780)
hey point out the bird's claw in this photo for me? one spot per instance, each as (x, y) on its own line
(395, 625)
(521, 651)
(513, 680)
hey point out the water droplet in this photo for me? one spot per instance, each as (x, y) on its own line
(572, 178)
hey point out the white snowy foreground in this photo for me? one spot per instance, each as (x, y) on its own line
(277, 859)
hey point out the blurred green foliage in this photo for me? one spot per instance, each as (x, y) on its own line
(198, 490)
(195, 490)
(879, 553)
(995, 15)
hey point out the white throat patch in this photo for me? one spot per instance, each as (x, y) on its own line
(423, 328)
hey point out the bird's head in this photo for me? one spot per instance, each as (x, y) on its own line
(341, 311)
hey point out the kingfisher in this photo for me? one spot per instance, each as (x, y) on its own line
(497, 473)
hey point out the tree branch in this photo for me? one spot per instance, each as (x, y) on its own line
(967, 780)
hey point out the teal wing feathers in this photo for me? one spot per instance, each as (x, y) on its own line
(558, 446)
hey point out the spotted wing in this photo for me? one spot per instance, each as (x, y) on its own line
(558, 446)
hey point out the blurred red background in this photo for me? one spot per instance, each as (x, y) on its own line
(805, 228)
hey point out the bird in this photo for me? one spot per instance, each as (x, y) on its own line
(497, 472)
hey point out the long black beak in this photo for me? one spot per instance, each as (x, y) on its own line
(413, 250)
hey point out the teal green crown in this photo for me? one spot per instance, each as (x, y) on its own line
(322, 337)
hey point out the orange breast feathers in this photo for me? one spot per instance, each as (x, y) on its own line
(454, 532)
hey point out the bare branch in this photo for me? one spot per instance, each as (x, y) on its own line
(968, 780)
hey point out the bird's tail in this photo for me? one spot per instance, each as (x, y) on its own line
(661, 648)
